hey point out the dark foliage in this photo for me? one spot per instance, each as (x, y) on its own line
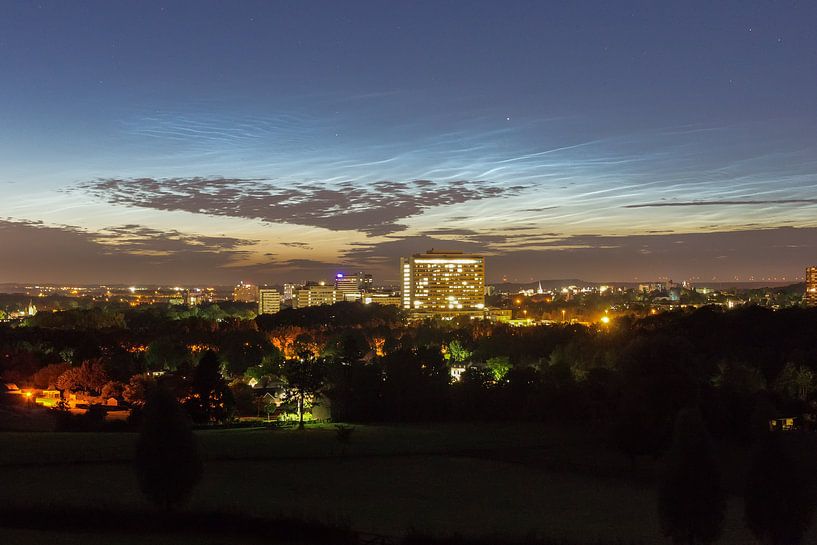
(691, 501)
(339, 314)
(210, 398)
(92, 420)
(415, 386)
(355, 392)
(167, 461)
(778, 503)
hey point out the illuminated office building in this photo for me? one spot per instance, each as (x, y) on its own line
(269, 301)
(347, 284)
(353, 283)
(311, 296)
(444, 284)
(810, 298)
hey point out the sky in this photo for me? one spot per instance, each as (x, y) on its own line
(212, 142)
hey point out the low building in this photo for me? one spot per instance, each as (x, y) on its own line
(48, 398)
(312, 296)
(500, 315)
(382, 299)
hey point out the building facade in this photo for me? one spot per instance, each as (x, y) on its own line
(289, 291)
(445, 284)
(353, 283)
(810, 297)
(269, 301)
(347, 285)
(245, 293)
(382, 299)
(311, 296)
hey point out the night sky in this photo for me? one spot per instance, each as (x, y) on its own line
(212, 142)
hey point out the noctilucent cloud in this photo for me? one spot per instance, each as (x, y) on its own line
(210, 142)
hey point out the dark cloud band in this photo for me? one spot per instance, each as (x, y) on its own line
(375, 209)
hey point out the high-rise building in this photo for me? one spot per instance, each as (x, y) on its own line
(353, 283)
(445, 284)
(289, 291)
(810, 297)
(347, 284)
(311, 296)
(269, 301)
(245, 293)
(364, 282)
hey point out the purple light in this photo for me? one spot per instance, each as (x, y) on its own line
(339, 275)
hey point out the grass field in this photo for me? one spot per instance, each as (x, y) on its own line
(442, 479)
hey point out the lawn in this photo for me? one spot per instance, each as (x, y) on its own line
(469, 479)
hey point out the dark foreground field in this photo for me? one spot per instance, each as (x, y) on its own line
(474, 480)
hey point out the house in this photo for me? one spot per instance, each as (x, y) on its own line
(784, 424)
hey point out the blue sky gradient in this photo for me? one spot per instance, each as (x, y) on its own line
(285, 139)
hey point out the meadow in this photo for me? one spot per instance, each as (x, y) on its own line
(442, 479)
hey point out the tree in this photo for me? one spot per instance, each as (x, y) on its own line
(138, 389)
(166, 354)
(691, 502)
(210, 399)
(244, 397)
(795, 381)
(415, 385)
(658, 378)
(283, 339)
(457, 352)
(305, 380)
(88, 377)
(777, 503)
(112, 389)
(499, 366)
(167, 461)
(242, 349)
(48, 375)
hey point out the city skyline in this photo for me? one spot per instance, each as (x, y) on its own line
(273, 142)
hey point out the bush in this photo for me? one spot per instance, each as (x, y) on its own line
(167, 461)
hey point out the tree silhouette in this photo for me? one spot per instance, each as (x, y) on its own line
(778, 505)
(210, 398)
(167, 461)
(691, 502)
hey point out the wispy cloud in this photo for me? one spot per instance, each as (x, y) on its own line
(722, 203)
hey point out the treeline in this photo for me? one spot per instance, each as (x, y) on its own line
(741, 366)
